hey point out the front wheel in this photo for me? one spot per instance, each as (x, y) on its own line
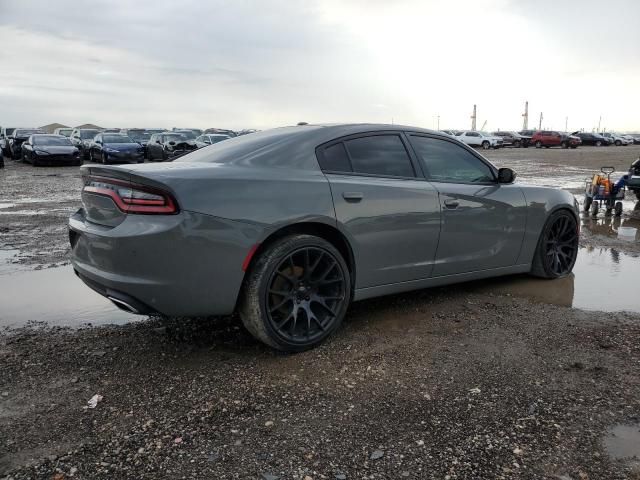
(538, 144)
(104, 158)
(486, 145)
(517, 144)
(564, 145)
(296, 294)
(557, 247)
(618, 143)
(598, 143)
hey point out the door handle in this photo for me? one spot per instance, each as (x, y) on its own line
(452, 204)
(352, 196)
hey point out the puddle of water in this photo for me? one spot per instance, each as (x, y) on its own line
(622, 442)
(603, 280)
(55, 296)
(627, 228)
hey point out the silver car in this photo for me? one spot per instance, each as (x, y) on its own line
(289, 226)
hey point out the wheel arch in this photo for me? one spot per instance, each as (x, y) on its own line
(319, 229)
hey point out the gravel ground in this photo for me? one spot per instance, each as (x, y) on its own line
(441, 383)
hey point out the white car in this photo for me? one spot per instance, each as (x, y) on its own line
(616, 138)
(480, 139)
(210, 139)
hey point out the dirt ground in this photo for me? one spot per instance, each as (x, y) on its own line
(461, 382)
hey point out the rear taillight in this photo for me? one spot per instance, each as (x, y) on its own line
(132, 198)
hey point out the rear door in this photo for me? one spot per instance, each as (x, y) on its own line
(387, 209)
(483, 222)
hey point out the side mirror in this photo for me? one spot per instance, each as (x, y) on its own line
(506, 175)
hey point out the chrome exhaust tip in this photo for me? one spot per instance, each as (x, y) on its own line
(123, 305)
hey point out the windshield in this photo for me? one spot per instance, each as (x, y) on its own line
(187, 133)
(26, 133)
(218, 138)
(51, 140)
(65, 131)
(175, 137)
(117, 139)
(485, 134)
(87, 134)
(139, 135)
(10, 131)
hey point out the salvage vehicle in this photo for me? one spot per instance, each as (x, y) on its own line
(552, 138)
(63, 131)
(6, 133)
(513, 139)
(139, 135)
(222, 131)
(480, 139)
(115, 148)
(288, 226)
(633, 182)
(210, 139)
(168, 146)
(20, 135)
(187, 132)
(50, 149)
(594, 139)
(616, 139)
(81, 138)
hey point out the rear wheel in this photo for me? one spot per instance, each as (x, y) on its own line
(538, 144)
(104, 159)
(618, 209)
(618, 143)
(517, 144)
(594, 209)
(598, 143)
(296, 294)
(564, 145)
(557, 248)
(587, 203)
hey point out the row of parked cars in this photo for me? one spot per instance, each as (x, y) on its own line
(541, 138)
(129, 145)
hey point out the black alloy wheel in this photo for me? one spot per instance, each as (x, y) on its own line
(296, 293)
(305, 293)
(558, 247)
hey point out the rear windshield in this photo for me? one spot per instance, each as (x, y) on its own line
(87, 134)
(117, 139)
(53, 140)
(10, 131)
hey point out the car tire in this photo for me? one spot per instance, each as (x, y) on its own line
(587, 203)
(517, 144)
(637, 194)
(618, 143)
(557, 248)
(598, 143)
(564, 145)
(283, 286)
(538, 144)
(574, 146)
(486, 145)
(103, 159)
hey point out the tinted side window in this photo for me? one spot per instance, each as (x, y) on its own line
(380, 155)
(335, 159)
(448, 162)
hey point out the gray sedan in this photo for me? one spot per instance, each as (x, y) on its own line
(289, 226)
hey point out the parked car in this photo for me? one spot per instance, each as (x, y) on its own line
(155, 130)
(217, 231)
(552, 138)
(20, 135)
(115, 148)
(451, 133)
(633, 183)
(6, 133)
(513, 139)
(223, 131)
(480, 139)
(636, 138)
(111, 130)
(63, 131)
(210, 139)
(41, 149)
(139, 135)
(615, 139)
(81, 138)
(593, 139)
(527, 133)
(168, 146)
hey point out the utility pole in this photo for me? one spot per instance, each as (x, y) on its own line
(566, 122)
(525, 115)
(599, 120)
(540, 124)
(438, 122)
(473, 119)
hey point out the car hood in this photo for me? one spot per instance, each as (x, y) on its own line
(56, 149)
(123, 146)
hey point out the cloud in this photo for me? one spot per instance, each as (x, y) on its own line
(261, 64)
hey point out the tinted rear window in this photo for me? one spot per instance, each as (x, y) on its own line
(335, 159)
(380, 155)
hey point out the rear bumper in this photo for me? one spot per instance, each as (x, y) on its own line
(178, 265)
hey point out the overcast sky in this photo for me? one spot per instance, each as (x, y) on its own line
(267, 63)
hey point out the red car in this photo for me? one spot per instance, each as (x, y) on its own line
(549, 138)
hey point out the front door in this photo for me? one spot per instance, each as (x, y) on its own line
(389, 213)
(483, 222)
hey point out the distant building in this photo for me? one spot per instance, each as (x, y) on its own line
(90, 125)
(52, 126)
